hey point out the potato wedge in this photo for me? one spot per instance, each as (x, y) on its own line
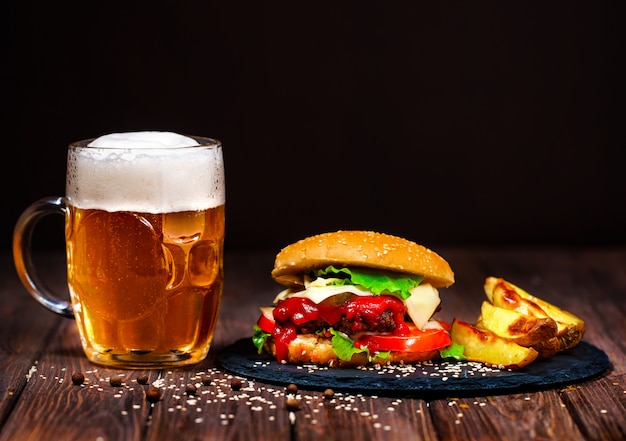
(486, 347)
(548, 348)
(570, 327)
(504, 295)
(522, 329)
(567, 338)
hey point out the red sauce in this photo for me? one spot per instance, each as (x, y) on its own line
(358, 309)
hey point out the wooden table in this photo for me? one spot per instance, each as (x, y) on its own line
(39, 352)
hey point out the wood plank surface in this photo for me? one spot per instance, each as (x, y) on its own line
(40, 351)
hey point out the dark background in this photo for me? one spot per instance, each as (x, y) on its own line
(471, 123)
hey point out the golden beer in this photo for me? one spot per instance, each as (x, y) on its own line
(145, 288)
(144, 233)
(144, 238)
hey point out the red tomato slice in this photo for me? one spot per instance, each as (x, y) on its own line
(266, 320)
(416, 341)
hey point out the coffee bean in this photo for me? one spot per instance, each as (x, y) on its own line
(190, 389)
(292, 404)
(142, 379)
(78, 378)
(235, 384)
(153, 394)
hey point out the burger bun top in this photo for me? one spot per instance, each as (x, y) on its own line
(360, 249)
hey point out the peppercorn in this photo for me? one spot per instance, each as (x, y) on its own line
(235, 384)
(292, 404)
(116, 381)
(78, 378)
(142, 379)
(190, 389)
(153, 394)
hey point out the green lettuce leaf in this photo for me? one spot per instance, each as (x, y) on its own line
(377, 282)
(343, 347)
(382, 354)
(259, 338)
(455, 351)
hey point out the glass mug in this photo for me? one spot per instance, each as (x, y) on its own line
(144, 234)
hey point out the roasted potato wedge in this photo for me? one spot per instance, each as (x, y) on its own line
(553, 311)
(504, 295)
(567, 337)
(548, 348)
(570, 328)
(486, 347)
(522, 329)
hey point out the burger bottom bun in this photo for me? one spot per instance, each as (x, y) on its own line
(314, 349)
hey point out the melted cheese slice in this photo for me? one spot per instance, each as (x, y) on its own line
(421, 305)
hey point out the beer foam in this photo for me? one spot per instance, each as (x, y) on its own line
(148, 172)
(143, 140)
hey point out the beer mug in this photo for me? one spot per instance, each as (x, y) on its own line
(144, 233)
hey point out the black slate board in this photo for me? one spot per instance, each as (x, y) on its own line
(426, 380)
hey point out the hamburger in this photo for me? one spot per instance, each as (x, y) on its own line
(354, 298)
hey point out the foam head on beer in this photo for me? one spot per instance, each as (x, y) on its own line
(138, 140)
(146, 171)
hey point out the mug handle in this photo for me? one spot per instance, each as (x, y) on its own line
(22, 240)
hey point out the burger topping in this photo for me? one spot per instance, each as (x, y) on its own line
(421, 299)
(354, 306)
(356, 315)
(418, 341)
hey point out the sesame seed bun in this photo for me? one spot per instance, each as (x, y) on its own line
(364, 249)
